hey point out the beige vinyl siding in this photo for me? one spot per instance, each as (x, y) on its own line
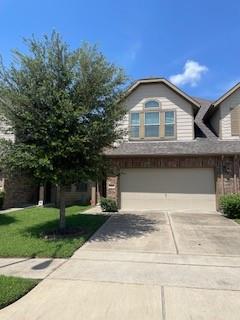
(226, 107)
(169, 100)
(123, 125)
(5, 132)
(235, 121)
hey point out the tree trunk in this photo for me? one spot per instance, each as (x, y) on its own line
(62, 220)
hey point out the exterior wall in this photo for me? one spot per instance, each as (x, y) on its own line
(169, 100)
(226, 168)
(72, 196)
(5, 131)
(113, 188)
(19, 191)
(215, 122)
(225, 115)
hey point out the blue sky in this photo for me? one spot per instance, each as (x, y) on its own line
(193, 43)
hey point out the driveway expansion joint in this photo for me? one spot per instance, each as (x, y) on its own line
(173, 235)
(163, 303)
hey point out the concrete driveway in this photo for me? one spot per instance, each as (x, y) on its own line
(145, 266)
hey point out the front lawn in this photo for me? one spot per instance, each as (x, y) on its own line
(22, 233)
(12, 289)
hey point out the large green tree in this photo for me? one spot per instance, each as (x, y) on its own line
(63, 107)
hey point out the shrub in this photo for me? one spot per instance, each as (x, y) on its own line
(2, 194)
(230, 205)
(108, 205)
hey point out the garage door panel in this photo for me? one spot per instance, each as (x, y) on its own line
(167, 189)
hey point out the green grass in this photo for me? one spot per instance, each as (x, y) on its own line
(21, 232)
(12, 289)
(237, 220)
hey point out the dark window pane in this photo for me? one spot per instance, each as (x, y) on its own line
(134, 132)
(152, 104)
(169, 130)
(169, 117)
(151, 131)
(152, 118)
(135, 119)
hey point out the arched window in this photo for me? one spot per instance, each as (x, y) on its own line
(152, 104)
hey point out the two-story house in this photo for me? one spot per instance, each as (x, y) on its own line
(180, 153)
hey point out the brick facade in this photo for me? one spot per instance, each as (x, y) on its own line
(19, 191)
(227, 170)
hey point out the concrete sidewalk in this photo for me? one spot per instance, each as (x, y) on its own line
(144, 266)
(29, 268)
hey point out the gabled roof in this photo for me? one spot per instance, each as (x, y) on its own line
(226, 95)
(167, 83)
(214, 105)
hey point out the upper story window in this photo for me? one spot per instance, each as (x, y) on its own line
(169, 124)
(156, 125)
(135, 124)
(152, 104)
(152, 124)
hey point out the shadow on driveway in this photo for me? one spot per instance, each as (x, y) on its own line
(124, 226)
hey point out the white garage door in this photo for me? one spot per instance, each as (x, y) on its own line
(167, 189)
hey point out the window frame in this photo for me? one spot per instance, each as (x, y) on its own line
(174, 124)
(152, 100)
(161, 136)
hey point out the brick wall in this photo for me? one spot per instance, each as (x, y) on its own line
(19, 191)
(227, 170)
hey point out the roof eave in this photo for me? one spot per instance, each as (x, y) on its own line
(226, 95)
(166, 82)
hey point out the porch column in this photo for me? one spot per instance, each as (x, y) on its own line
(41, 196)
(93, 195)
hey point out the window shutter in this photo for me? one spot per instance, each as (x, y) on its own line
(235, 121)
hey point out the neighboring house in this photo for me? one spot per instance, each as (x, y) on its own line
(21, 190)
(180, 153)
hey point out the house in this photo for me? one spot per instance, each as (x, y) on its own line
(179, 153)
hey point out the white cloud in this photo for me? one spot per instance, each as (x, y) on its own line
(192, 74)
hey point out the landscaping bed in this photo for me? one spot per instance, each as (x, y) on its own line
(33, 232)
(12, 289)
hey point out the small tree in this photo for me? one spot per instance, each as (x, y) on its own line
(63, 107)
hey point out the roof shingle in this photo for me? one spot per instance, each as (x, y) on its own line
(166, 148)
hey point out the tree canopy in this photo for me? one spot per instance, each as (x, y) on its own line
(63, 106)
